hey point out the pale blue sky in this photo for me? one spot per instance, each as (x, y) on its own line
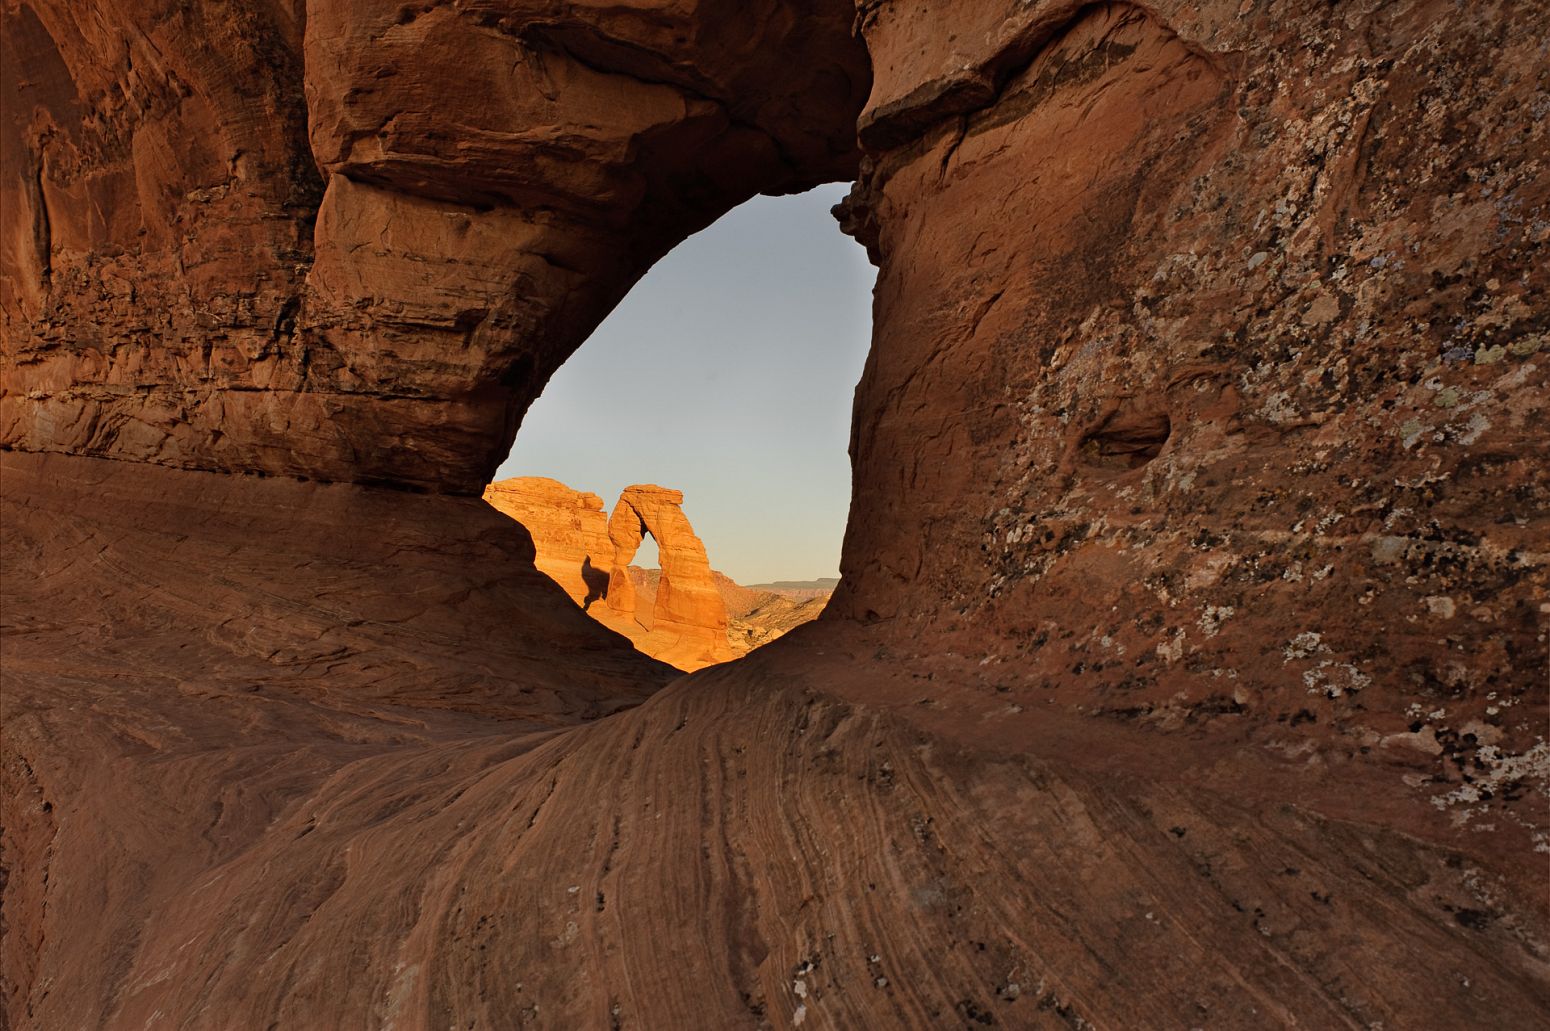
(728, 373)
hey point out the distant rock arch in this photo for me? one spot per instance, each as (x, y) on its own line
(588, 552)
(688, 605)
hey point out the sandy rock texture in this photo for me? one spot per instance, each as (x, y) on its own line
(1189, 666)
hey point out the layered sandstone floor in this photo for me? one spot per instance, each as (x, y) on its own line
(264, 790)
(1189, 664)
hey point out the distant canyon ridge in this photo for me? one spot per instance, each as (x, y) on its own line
(685, 613)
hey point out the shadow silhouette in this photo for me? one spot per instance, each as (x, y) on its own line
(596, 581)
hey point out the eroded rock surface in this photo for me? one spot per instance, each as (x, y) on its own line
(1259, 384)
(1189, 665)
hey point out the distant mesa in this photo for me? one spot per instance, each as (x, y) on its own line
(685, 613)
(822, 587)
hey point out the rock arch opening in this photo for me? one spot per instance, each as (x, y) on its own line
(711, 407)
(687, 612)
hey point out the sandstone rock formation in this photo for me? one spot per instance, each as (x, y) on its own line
(268, 236)
(684, 621)
(1189, 664)
(1261, 388)
(687, 609)
(569, 530)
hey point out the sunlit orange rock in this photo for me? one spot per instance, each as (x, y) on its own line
(589, 553)
(688, 606)
(569, 530)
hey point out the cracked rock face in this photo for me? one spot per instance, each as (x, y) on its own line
(1189, 663)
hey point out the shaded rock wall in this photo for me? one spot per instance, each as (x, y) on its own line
(1210, 372)
(159, 199)
(194, 287)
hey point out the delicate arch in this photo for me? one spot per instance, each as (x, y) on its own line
(687, 601)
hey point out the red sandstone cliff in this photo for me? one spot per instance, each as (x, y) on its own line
(1189, 663)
